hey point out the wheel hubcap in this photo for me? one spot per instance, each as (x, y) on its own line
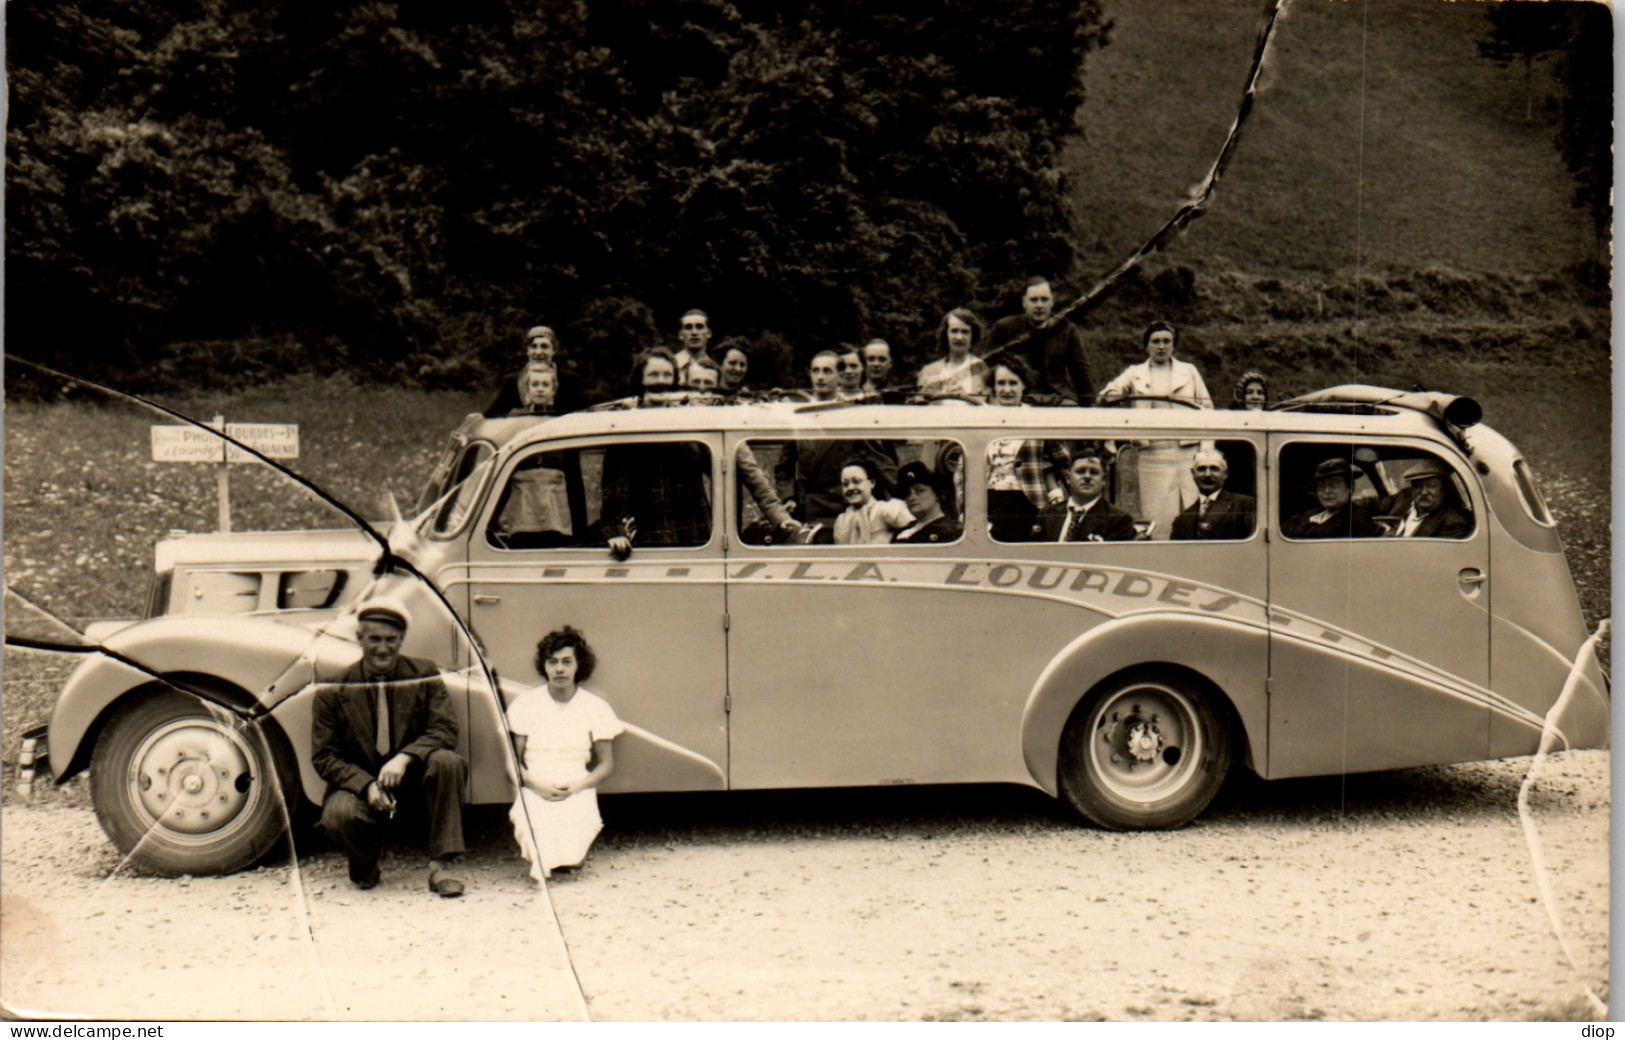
(194, 778)
(1146, 743)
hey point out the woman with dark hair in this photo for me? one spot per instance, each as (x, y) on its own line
(563, 744)
(1023, 476)
(653, 371)
(1252, 392)
(1163, 471)
(930, 498)
(735, 354)
(958, 371)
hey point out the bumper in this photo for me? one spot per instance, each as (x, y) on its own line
(32, 759)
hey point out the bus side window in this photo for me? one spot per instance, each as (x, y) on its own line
(791, 490)
(1220, 504)
(545, 503)
(1347, 490)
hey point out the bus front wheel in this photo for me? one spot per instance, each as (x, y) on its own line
(184, 787)
(1145, 751)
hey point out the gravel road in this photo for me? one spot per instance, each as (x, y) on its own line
(1398, 896)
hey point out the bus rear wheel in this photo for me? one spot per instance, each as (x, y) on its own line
(184, 787)
(1145, 751)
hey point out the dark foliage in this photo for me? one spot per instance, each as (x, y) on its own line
(401, 188)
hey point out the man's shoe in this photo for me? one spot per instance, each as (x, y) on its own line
(444, 884)
(368, 880)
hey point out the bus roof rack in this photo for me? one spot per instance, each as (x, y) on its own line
(1455, 412)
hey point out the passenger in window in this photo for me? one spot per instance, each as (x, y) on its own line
(929, 497)
(1252, 392)
(1162, 468)
(563, 742)
(817, 465)
(703, 375)
(867, 520)
(1427, 507)
(655, 493)
(1217, 514)
(958, 371)
(735, 365)
(1024, 476)
(764, 492)
(1338, 516)
(1086, 515)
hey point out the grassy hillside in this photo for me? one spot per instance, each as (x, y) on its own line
(1381, 139)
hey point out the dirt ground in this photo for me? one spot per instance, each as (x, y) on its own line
(1399, 896)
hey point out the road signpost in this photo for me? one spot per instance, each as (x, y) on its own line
(190, 444)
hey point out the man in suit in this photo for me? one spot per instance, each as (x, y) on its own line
(1338, 516)
(1216, 514)
(1055, 353)
(383, 733)
(1426, 508)
(1086, 515)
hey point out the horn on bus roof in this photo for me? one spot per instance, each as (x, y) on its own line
(1457, 411)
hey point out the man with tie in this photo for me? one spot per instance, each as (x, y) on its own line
(383, 733)
(1086, 515)
(1216, 514)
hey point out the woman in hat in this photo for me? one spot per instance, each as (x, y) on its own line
(1252, 392)
(1337, 515)
(563, 740)
(929, 496)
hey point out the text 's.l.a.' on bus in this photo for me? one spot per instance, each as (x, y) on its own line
(1117, 606)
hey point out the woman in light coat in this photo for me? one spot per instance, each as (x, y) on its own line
(1163, 466)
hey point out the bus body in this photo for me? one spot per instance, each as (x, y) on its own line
(1122, 676)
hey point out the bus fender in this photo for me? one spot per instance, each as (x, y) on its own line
(1232, 655)
(247, 653)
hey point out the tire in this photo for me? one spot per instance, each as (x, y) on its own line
(1145, 751)
(183, 787)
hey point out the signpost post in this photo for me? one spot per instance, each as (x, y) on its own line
(190, 444)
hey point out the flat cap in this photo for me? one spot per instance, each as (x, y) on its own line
(384, 609)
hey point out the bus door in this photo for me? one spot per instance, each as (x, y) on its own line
(1379, 595)
(862, 664)
(539, 559)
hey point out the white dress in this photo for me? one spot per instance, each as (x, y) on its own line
(558, 747)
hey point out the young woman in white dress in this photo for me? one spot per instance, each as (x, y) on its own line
(563, 742)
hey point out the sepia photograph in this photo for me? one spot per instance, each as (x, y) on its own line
(674, 511)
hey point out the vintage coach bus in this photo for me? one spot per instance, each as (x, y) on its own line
(1126, 676)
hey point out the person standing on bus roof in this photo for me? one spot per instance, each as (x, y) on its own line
(849, 372)
(1163, 467)
(1216, 514)
(877, 364)
(694, 333)
(1086, 515)
(958, 372)
(1055, 352)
